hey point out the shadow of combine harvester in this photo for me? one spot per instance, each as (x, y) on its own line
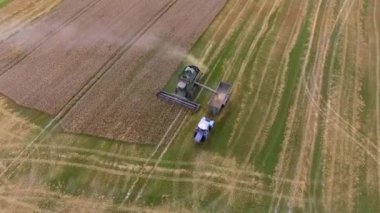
(184, 94)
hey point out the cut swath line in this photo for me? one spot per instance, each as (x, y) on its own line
(313, 109)
(285, 58)
(226, 37)
(333, 138)
(207, 51)
(353, 167)
(243, 66)
(252, 106)
(291, 117)
(377, 93)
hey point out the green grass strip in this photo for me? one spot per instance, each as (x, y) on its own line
(3, 3)
(268, 157)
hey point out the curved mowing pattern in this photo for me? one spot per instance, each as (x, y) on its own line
(300, 132)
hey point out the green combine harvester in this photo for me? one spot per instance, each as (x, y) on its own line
(184, 94)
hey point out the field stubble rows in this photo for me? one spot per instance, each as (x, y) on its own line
(294, 134)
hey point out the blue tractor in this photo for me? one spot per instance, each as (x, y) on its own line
(203, 129)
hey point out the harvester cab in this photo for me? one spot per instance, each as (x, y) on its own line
(186, 82)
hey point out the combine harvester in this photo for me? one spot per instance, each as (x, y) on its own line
(184, 95)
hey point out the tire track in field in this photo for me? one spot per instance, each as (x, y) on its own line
(206, 51)
(254, 43)
(314, 102)
(251, 51)
(243, 37)
(207, 55)
(263, 76)
(89, 84)
(377, 93)
(150, 171)
(100, 156)
(279, 79)
(295, 33)
(145, 176)
(109, 167)
(211, 57)
(48, 36)
(334, 137)
(357, 138)
(307, 89)
(243, 66)
(311, 118)
(357, 109)
(353, 131)
(66, 202)
(284, 63)
(346, 148)
(280, 168)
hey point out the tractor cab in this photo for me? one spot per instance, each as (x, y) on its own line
(203, 129)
